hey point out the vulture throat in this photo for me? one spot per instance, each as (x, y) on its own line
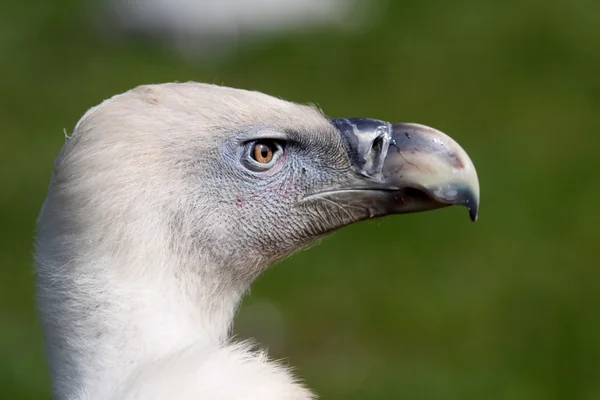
(168, 201)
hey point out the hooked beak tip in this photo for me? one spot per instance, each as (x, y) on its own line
(473, 211)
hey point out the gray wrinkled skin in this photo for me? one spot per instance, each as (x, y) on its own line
(262, 214)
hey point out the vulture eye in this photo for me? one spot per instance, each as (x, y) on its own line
(262, 154)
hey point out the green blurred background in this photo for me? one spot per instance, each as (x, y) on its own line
(422, 306)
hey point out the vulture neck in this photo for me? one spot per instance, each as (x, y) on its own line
(114, 315)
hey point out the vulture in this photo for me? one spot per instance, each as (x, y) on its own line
(168, 200)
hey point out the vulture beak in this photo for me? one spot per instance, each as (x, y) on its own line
(404, 167)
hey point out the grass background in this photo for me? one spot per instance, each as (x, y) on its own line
(423, 306)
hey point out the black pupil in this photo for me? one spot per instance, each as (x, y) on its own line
(264, 151)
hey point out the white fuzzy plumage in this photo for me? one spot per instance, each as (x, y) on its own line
(129, 312)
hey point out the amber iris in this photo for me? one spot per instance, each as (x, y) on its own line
(262, 152)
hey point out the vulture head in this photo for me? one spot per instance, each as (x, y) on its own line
(168, 201)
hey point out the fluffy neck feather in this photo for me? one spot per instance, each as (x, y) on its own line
(131, 319)
(109, 314)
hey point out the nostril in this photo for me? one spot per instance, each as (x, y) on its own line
(373, 157)
(377, 145)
